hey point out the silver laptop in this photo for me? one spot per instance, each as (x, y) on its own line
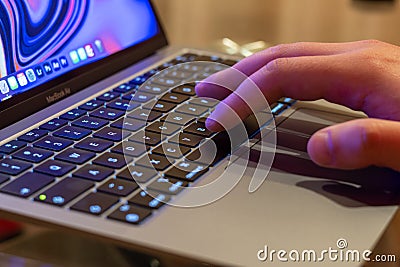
(102, 133)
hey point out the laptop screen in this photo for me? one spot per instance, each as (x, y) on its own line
(41, 40)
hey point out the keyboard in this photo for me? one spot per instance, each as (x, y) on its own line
(78, 161)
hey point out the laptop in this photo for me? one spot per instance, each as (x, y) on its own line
(94, 106)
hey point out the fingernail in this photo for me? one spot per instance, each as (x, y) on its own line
(213, 125)
(320, 148)
(199, 87)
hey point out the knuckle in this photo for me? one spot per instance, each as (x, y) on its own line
(278, 50)
(371, 42)
(369, 60)
(277, 65)
(370, 135)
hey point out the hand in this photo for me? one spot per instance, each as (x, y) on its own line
(363, 75)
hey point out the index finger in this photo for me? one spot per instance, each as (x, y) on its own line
(302, 78)
(211, 87)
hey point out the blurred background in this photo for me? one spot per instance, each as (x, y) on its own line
(203, 23)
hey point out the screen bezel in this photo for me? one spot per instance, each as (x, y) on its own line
(27, 103)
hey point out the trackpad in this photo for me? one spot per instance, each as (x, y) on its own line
(294, 132)
(308, 121)
(368, 186)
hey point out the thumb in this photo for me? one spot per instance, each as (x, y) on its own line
(357, 144)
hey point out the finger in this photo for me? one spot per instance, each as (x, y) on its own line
(357, 144)
(302, 78)
(221, 84)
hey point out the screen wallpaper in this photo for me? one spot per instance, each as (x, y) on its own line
(42, 39)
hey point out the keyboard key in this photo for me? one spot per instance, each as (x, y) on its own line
(53, 124)
(198, 128)
(12, 146)
(186, 139)
(107, 97)
(171, 150)
(159, 106)
(54, 168)
(128, 124)
(95, 203)
(13, 167)
(94, 144)
(125, 88)
(53, 143)
(130, 214)
(179, 74)
(150, 73)
(138, 80)
(145, 115)
(63, 192)
(165, 66)
(76, 156)
(112, 134)
(73, 133)
(73, 114)
(174, 98)
(90, 123)
(153, 200)
(202, 75)
(153, 89)
(165, 81)
(178, 118)
(92, 105)
(202, 119)
(123, 105)
(163, 128)
(139, 97)
(32, 154)
(186, 89)
(216, 68)
(278, 108)
(130, 149)
(3, 178)
(158, 162)
(188, 171)
(32, 135)
(118, 187)
(107, 114)
(192, 67)
(27, 184)
(168, 186)
(212, 151)
(111, 160)
(193, 110)
(137, 173)
(206, 102)
(186, 57)
(93, 172)
(287, 100)
(147, 138)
